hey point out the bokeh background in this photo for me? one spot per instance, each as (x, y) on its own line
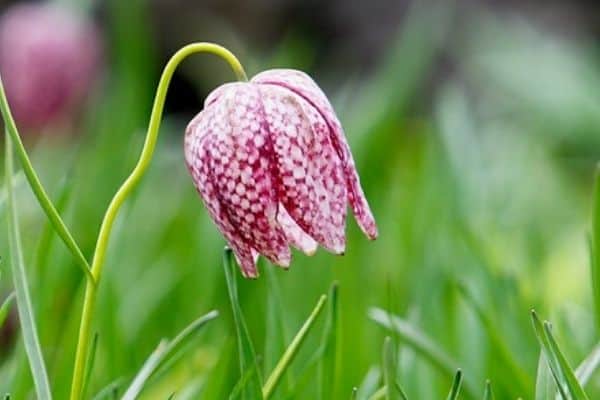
(476, 129)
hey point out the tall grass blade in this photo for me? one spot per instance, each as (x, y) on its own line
(24, 305)
(369, 383)
(595, 267)
(89, 366)
(291, 351)
(545, 388)
(5, 307)
(512, 366)
(564, 376)
(37, 188)
(328, 363)
(584, 371)
(354, 393)
(252, 390)
(575, 388)
(163, 353)
(455, 389)
(393, 390)
(420, 342)
(487, 393)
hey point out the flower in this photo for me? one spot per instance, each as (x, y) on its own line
(272, 165)
(48, 59)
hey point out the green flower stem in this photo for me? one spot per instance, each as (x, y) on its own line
(38, 189)
(125, 190)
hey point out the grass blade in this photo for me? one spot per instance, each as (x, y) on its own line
(37, 188)
(595, 238)
(568, 386)
(455, 389)
(574, 387)
(291, 351)
(5, 307)
(24, 305)
(544, 386)
(487, 393)
(584, 372)
(354, 393)
(163, 352)
(89, 366)
(512, 366)
(252, 389)
(393, 390)
(420, 342)
(369, 383)
(328, 363)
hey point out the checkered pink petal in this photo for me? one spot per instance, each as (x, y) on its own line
(271, 163)
(302, 84)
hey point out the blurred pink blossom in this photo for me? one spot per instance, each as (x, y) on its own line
(49, 57)
(271, 163)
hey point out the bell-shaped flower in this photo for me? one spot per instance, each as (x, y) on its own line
(272, 165)
(49, 56)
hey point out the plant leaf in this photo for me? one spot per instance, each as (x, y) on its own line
(163, 352)
(89, 366)
(595, 246)
(487, 393)
(5, 307)
(545, 388)
(393, 390)
(420, 342)
(24, 305)
(291, 351)
(455, 389)
(328, 362)
(587, 367)
(247, 355)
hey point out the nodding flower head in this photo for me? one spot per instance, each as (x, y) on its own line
(272, 165)
(48, 58)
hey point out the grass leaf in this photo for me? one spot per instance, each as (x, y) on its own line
(568, 386)
(487, 393)
(291, 351)
(24, 305)
(393, 390)
(5, 307)
(89, 366)
(595, 239)
(544, 386)
(455, 389)
(162, 354)
(420, 342)
(587, 367)
(252, 390)
(328, 362)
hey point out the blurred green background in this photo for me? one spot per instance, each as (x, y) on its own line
(475, 126)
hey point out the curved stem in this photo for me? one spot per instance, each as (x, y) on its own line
(38, 189)
(125, 190)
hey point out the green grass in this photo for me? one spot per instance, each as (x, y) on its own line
(482, 186)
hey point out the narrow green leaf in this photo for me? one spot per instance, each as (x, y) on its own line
(163, 352)
(575, 388)
(595, 239)
(291, 351)
(511, 365)
(455, 389)
(237, 389)
(545, 388)
(393, 390)
(487, 393)
(36, 186)
(328, 374)
(354, 393)
(584, 371)
(369, 383)
(5, 307)
(420, 342)
(110, 391)
(549, 355)
(379, 394)
(24, 305)
(89, 366)
(252, 389)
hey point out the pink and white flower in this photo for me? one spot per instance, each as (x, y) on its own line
(272, 165)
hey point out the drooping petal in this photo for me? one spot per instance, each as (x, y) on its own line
(301, 84)
(294, 234)
(241, 158)
(310, 177)
(197, 144)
